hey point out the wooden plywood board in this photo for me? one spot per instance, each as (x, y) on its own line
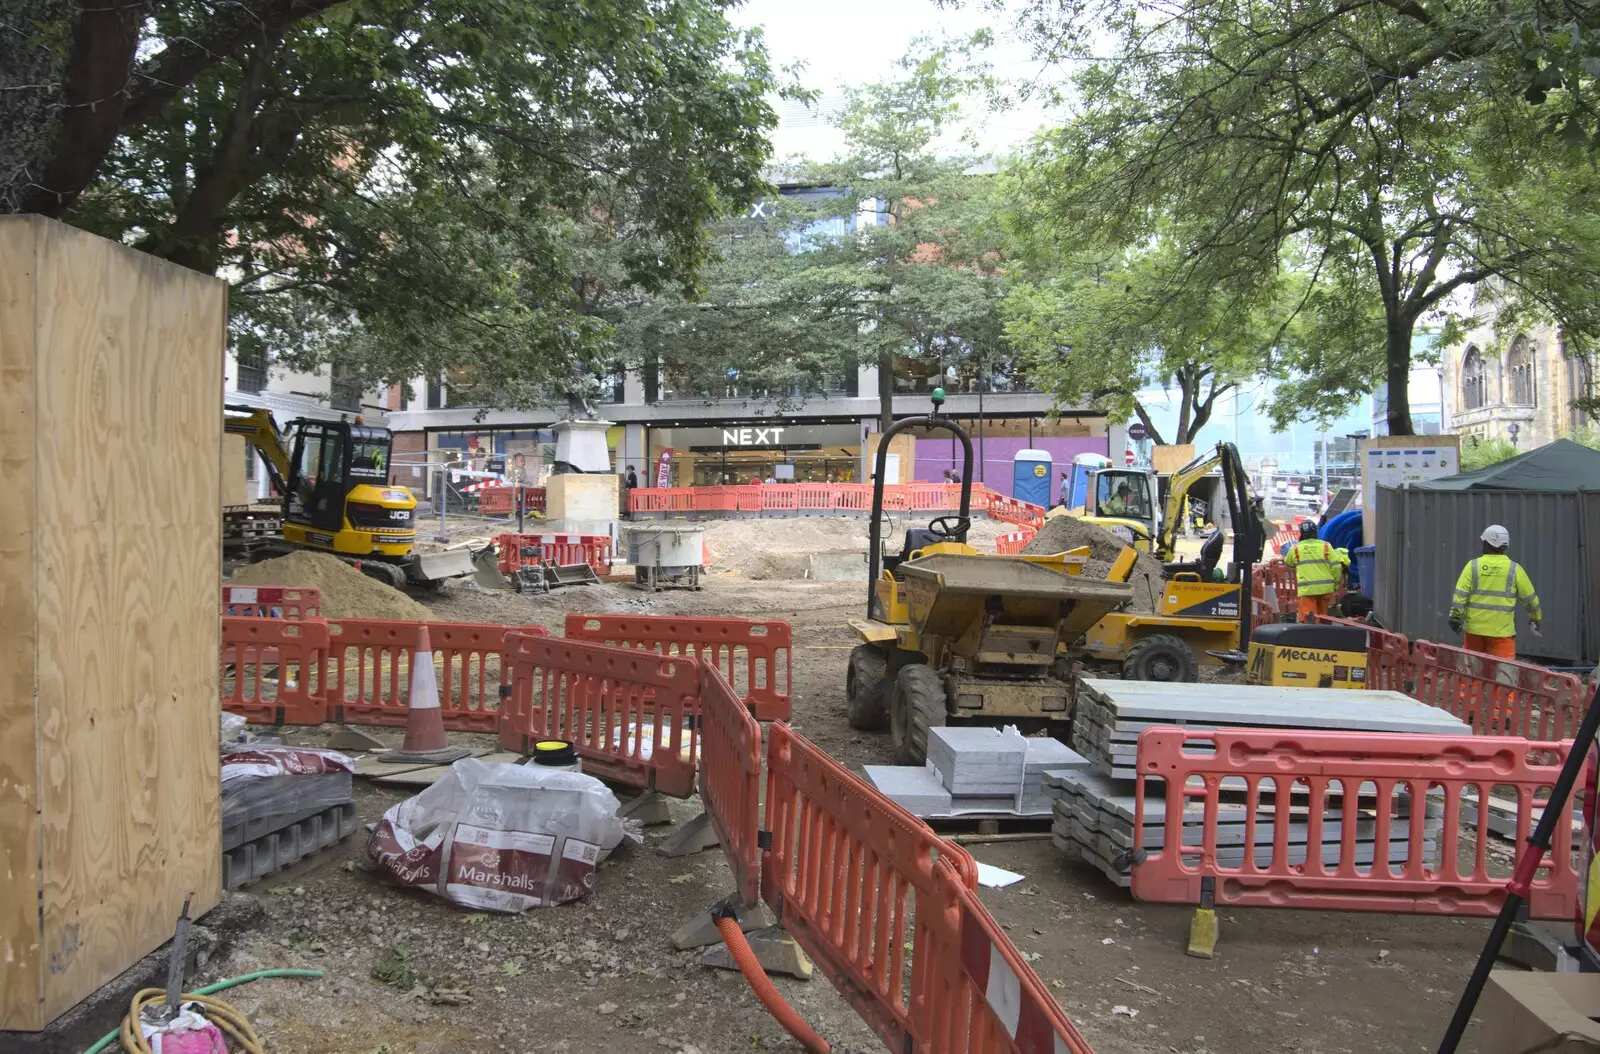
(122, 362)
(1165, 459)
(20, 975)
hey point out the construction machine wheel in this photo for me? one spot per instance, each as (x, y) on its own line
(918, 704)
(1161, 657)
(867, 710)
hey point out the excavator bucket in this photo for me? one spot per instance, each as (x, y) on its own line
(569, 575)
(486, 569)
(436, 567)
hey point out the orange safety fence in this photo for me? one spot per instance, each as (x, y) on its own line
(889, 911)
(271, 669)
(1010, 510)
(755, 656)
(502, 500)
(1388, 656)
(367, 678)
(1274, 583)
(827, 497)
(1344, 821)
(290, 602)
(632, 715)
(1013, 543)
(516, 551)
(730, 778)
(1497, 697)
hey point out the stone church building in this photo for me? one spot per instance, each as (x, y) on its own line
(1517, 386)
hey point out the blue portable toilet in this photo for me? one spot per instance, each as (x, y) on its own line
(1030, 476)
(1082, 465)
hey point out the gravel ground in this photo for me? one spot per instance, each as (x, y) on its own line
(602, 976)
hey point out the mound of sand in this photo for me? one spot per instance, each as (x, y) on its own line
(1061, 533)
(346, 592)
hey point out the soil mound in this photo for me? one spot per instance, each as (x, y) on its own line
(1061, 533)
(346, 592)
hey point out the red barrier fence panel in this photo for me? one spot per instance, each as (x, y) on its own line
(889, 911)
(1345, 821)
(1388, 656)
(756, 657)
(367, 677)
(730, 778)
(514, 551)
(271, 669)
(1497, 697)
(632, 716)
(1013, 543)
(290, 602)
(1021, 513)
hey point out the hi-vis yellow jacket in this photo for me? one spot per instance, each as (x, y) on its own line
(1487, 593)
(1316, 566)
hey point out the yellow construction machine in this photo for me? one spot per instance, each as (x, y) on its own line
(1196, 619)
(1297, 655)
(953, 636)
(333, 477)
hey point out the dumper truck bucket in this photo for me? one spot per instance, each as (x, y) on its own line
(948, 595)
(569, 575)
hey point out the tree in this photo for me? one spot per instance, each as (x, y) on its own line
(1377, 144)
(887, 255)
(414, 187)
(1103, 327)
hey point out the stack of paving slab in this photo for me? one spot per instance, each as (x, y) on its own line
(1093, 816)
(1111, 714)
(975, 771)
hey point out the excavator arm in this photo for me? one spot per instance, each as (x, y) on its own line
(261, 432)
(1177, 493)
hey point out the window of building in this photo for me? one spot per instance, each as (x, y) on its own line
(1473, 374)
(435, 393)
(1580, 385)
(250, 456)
(251, 355)
(344, 391)
(1520, 366)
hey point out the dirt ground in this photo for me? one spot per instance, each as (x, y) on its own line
(602, 976)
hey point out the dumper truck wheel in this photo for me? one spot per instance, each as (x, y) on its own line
(1161, 657)
(867, 708)
(916, 706)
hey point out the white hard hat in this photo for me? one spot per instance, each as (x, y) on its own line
(1497, 536)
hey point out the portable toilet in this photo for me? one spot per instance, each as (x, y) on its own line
(1030, 477)
(1082, 466)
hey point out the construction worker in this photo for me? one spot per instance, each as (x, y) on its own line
(1485, 604)
(1317, 567)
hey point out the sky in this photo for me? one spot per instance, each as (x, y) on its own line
(857, 41)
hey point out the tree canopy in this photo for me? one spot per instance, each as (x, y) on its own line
(1393, 152)
(409, 187)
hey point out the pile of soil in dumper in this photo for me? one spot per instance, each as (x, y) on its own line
(1061, 533)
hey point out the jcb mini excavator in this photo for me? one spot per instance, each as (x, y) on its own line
(334, 479)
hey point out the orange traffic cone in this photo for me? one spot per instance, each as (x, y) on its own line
(425, 739)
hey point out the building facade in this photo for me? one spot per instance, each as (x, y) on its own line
(679, 441)
(1517, 386)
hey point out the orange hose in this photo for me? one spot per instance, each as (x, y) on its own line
(765, 991)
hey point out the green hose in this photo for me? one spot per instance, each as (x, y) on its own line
(110, 1037)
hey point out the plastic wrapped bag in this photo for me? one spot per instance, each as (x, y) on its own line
(500, 837)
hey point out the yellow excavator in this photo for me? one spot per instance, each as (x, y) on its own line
(1124, 502)
(334, 480)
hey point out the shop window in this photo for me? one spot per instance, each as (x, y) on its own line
(1520, 365)
(1473, 379)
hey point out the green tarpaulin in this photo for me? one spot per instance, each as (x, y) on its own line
(1562, 466)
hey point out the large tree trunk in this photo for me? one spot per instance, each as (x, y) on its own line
(1398, 373)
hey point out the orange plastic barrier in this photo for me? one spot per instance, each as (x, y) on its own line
(1370, 788)
(514, 551)
(502, 500)
(1388, 656)
(1274, 583)
(730, 778)
(850, 874)
(1013, 543)
(826, 497)
(290, 602)
(271, 669)
(633, 716)
(1021, 513)
(755, 656)
(368, 671)
(1497, 697)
